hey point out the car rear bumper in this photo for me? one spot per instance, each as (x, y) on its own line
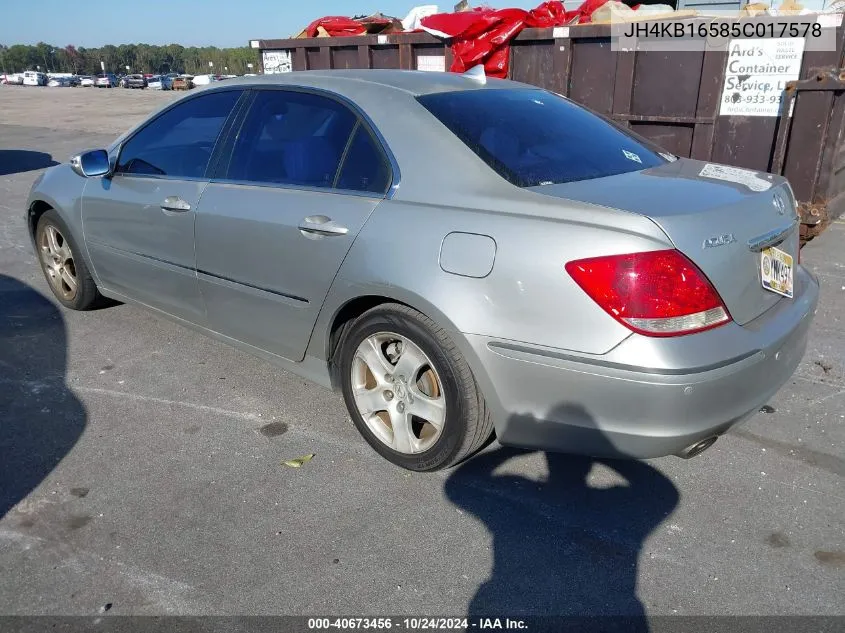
(648, 397)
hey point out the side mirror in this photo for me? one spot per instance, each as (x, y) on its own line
(92, 163)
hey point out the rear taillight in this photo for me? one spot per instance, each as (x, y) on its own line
(657, 293)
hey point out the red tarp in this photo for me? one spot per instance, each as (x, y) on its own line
(336, 26)
(482, 36)
(479, 36)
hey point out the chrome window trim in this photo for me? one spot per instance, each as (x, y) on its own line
(159, 177)
(304, 188)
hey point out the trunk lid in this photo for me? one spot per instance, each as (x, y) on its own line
(711, 213)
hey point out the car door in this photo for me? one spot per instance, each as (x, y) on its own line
(139, 223)
(305, 173)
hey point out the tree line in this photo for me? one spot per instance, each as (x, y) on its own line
(141, 58)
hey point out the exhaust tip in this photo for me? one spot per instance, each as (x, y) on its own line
(698, 448)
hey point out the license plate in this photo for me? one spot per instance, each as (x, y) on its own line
(776, 271)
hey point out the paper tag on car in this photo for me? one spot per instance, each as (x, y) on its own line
(776, 270)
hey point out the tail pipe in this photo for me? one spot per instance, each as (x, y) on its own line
(698, 447)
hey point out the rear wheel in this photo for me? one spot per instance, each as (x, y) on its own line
(409, 390)
(65, 270)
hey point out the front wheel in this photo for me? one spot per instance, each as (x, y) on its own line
(409, 390)
(65, 270)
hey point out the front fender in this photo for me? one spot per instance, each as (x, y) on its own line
(60, 188)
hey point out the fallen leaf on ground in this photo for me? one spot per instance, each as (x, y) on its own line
(296, 463)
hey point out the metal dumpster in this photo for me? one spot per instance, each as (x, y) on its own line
(673, 98)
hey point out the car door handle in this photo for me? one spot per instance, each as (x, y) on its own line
(176, 204)
(321, 225)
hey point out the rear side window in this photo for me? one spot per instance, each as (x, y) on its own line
(292, 138)
(365, 168)
(179, 143)
(534, 137)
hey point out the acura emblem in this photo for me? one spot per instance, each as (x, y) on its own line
(779, 203)
(719, 240)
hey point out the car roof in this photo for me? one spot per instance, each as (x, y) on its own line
(411, 82)
(387, 99)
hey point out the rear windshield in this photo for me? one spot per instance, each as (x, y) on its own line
(534, 137)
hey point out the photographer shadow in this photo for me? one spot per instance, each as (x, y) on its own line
(15, 161)
(40, 417)
(564, 547)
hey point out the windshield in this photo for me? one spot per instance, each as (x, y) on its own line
(534, 137)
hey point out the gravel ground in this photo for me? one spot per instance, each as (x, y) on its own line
(141, 468)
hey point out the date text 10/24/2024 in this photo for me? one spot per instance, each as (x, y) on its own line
(417, 624)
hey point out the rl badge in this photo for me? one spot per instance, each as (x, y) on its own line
(776, 268)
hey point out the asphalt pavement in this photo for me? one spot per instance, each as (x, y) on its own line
(141, 468)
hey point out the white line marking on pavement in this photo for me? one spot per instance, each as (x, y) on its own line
(170, 595)
(238, 415)
(249, 417)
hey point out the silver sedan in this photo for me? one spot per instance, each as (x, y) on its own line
(459, 256)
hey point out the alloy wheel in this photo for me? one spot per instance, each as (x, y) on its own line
(398, 393)
(57, 260)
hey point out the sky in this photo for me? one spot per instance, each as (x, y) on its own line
(220, 23)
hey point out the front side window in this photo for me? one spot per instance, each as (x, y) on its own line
(179, 143)
(292, 138)
(534, 137)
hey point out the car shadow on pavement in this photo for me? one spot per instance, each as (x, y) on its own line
(40, 417)
(15, 161)
(562, 547)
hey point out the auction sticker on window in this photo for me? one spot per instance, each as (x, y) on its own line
(776, 271)
(756, 75)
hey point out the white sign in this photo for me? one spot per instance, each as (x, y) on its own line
(756, 75)
(431, 63)
(102, 66)
(277, 62)
(829, 20)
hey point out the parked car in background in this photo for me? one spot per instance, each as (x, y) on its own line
(34, 78)
(86, 81)
(105, 80)
(160, 82)
(183, 82)
(60, 82)
(134, 81)
(204, 80)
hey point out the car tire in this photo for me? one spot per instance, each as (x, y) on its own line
(61, 260)
(439, 386)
